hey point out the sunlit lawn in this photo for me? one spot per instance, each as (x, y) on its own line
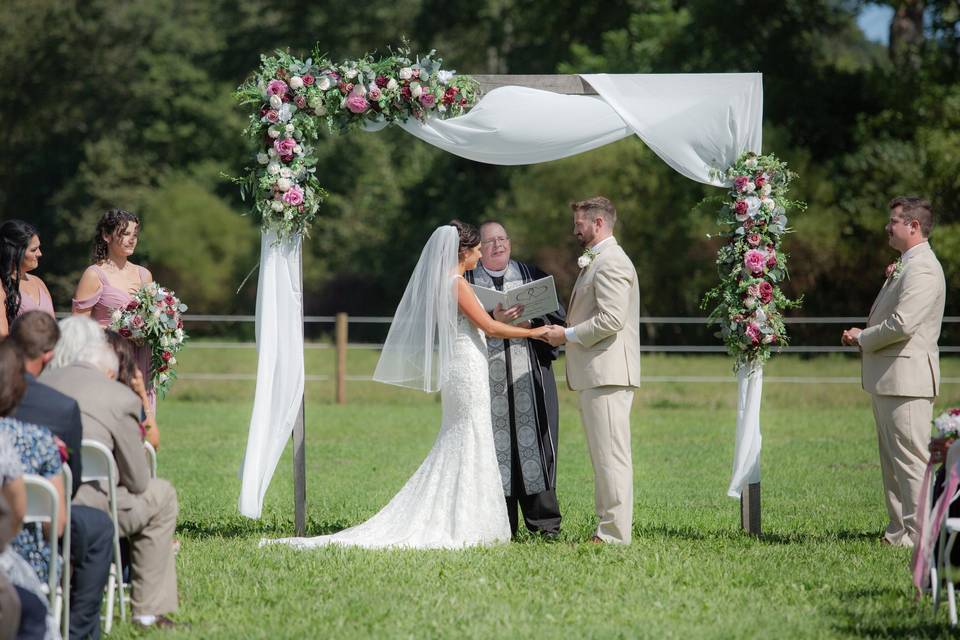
(819, 570)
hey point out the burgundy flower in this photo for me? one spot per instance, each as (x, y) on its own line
(382, 81)
(760, 181)
(166, 355)
(405, 91)
(766, 292)
(771, 258)
(132, 305)
(741, 207)
(124, 332)
(162, 368)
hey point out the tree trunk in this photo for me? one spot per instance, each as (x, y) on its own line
(906, 33)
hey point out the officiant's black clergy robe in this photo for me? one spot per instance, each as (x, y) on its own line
(525, 411)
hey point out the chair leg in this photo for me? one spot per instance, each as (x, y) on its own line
(935, 588)
(119, 566)
(111, 585)
(951, 603)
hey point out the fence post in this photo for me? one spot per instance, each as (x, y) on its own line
(750, 509)
(341, 332)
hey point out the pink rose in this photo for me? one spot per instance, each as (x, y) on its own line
(284, 146)
(345, 87)
(740, 184)
(753, 332)
(294, 196)
(754, 261)
(771, 258)
(357, 103)
(766, 292)
(137, 322)
(753, 239)
(889, 271)
(277, 88)
(272, 116)
(374, 93)
(300, 101)
(428, 100)
(308, 79)
(740, 208)
(753, 291)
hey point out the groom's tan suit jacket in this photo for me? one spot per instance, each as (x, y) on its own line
(604, 311)
(899, 345)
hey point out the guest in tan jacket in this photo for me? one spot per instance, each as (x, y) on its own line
(603, 361)
(146, 507)
(901, 362)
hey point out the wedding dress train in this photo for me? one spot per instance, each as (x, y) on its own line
(455, 499)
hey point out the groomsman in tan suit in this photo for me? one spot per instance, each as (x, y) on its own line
(603, 361)
(901, 362)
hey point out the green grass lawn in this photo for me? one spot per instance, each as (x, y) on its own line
(819, 570)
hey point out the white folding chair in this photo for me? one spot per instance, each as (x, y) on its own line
(98, 464)
(151, 458)
(64, 608)
(43, 507)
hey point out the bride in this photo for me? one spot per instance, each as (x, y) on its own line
(455, 499)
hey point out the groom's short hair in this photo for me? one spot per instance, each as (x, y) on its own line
(597, 205)
(914, 208)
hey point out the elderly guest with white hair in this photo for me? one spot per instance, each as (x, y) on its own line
(85, 369)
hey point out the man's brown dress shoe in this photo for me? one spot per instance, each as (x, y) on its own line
(597, 540)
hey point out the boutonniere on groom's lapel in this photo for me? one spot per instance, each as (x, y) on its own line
(586, 258)
(894, 269)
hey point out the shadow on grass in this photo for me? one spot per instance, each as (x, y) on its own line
(769, 537)
(904, 619)
(240, 527)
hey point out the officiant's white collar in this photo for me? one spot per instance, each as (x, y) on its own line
(496, 274)
(914, 250)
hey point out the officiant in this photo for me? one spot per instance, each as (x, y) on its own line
(523, 393)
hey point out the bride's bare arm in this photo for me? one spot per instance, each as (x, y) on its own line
(471, 308)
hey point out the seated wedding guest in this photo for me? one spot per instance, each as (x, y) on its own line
(108, 283)
(147, 506)
(12, 491)
(21, 292)
(526, 433)
(128, 373)
(91, 530)
(35, 621)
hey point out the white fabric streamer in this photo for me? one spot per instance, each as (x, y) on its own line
(746, 453)
(280, 372)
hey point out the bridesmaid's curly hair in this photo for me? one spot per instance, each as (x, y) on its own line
(469, 235)
(112, 223)
(15, 237)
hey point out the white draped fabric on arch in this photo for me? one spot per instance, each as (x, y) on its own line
(697, 123)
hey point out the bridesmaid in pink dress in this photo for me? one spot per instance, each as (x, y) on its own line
(21, 292)
(108, 283)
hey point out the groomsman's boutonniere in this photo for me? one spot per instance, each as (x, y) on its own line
(584, 260)
(894, 269)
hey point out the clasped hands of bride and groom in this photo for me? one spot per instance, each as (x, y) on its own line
(437, 341)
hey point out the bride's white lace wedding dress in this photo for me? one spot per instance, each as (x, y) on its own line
(455, 499)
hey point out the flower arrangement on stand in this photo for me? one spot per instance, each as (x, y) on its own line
(292, 97)
(152, 318)
(748, 303)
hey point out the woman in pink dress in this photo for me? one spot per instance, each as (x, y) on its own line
(108, 284)
(21, 292)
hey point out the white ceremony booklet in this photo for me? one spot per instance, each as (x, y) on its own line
(538, 298)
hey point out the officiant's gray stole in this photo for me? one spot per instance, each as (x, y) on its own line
(518, 382)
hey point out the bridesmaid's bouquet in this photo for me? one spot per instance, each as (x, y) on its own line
(152, 318)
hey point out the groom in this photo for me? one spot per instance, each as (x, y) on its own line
(603, 361)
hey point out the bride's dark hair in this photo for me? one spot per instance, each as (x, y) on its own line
(469, 235)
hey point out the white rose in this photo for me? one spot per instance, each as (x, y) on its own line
(275, 102)
(162, 377)
(750, 188)
(767, 204)
(284, 184)
(445, 76)
(324, 83)
(288, 215)
(359, 90)
(172, 361)
(289, 129)
(406, 73)
(583, 262)
(416, 90)
(273, 168)
(765, 189)
(273, 132)
(751, 162)
(276, 205)
(351, 74)
(116, 315)
(263, 158)
(179, 334)
(285, 172)
(753, 205)
(298, 149)
(391, 84)
(767, 339)
(286, 112)
(296, 82)
(750, 302)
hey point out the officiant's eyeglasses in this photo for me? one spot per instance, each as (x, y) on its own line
(492, 241)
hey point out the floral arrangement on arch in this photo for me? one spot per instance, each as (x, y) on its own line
(946, 426)
(748, 303)
(153, 318)
(293, 98)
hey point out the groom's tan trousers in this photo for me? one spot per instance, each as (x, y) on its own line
(903, 433)
(605, 413)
